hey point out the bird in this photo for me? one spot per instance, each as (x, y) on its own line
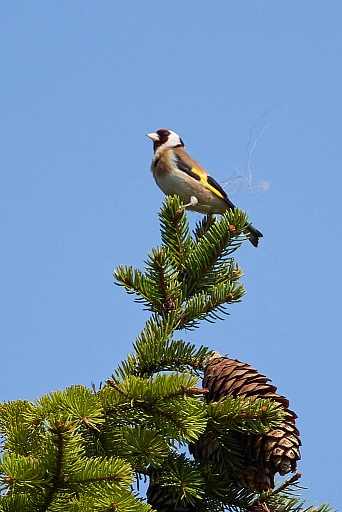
(176, 172)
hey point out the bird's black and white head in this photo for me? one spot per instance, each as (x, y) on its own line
(165, 139)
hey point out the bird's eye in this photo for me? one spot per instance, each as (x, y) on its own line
(163, 133)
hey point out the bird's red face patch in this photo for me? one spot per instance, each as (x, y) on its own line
(163, 135)
(164, 138)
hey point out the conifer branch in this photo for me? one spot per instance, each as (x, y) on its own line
(187, 277)
(183, 391)
(282, 498)
(252, 415)
(78, 450)
(112, 384)
(175, 231)
(57, 483)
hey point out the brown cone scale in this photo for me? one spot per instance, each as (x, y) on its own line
(277, 451)
(162, 500)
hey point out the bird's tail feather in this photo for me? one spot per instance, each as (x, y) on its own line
(253, 235)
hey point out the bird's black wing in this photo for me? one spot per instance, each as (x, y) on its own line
(203, 177)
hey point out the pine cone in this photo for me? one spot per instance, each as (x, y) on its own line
(268, 454)
(162, 501)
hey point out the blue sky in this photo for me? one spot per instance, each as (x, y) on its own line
(254, 89)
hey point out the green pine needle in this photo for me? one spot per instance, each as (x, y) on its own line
(189, 278)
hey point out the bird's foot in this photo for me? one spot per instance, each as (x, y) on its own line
(193, 202)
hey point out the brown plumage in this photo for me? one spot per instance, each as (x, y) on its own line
(176, 172)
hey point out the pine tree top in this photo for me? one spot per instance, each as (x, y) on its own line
(82, 449)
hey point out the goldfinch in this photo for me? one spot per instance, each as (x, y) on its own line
(176, 172)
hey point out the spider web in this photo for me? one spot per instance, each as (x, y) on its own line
(242, 178)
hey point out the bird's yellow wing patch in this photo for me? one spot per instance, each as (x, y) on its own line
(210, 183)
(202, 176)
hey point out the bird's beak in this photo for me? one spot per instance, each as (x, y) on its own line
(153, 136)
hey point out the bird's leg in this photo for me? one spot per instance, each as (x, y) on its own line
(193, 202)
(203, 225)
(208, 221)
